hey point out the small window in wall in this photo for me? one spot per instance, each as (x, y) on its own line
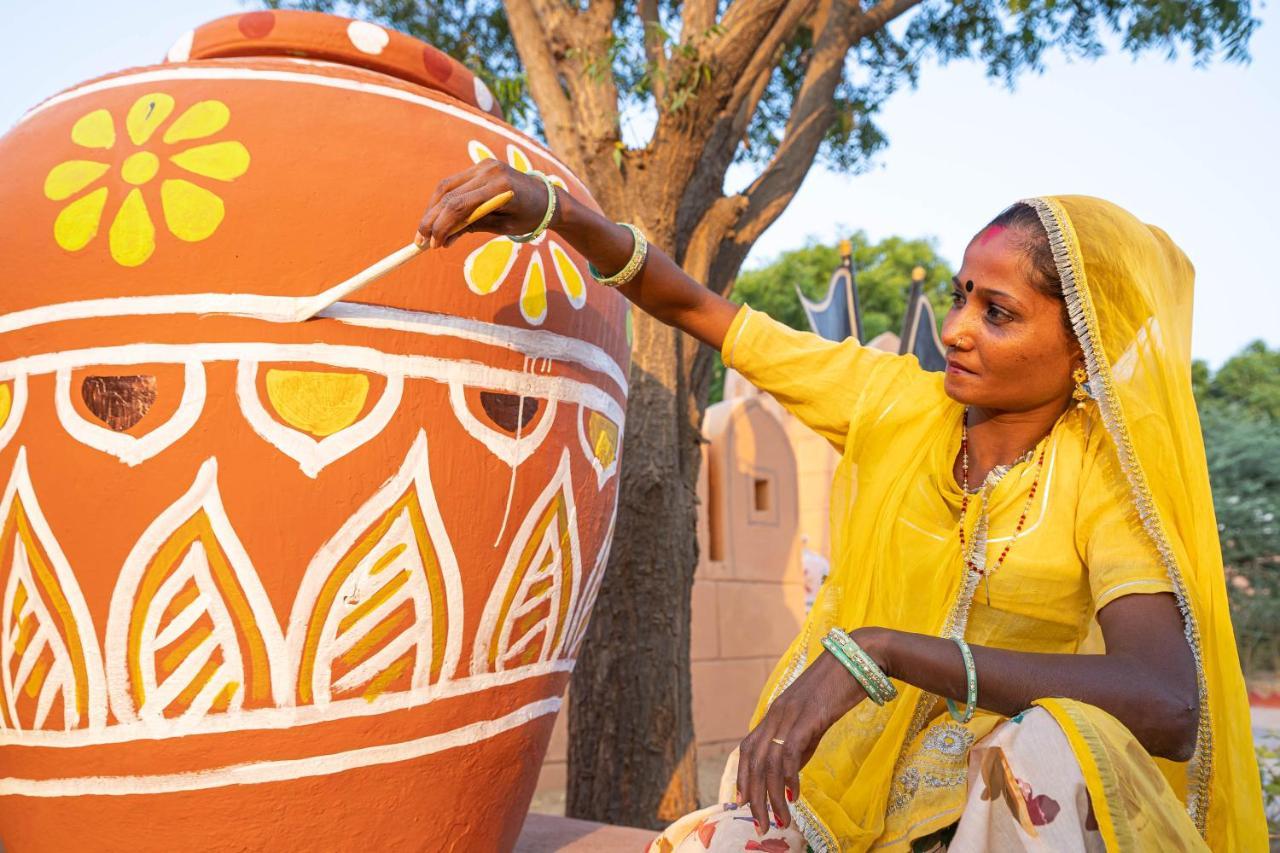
(761, 495)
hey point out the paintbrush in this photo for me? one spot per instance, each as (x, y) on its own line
(313, 305)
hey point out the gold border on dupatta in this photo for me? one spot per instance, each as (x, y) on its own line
(1084, 321)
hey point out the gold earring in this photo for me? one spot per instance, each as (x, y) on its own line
(1081, 393)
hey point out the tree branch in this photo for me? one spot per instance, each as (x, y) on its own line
(566, 53)
(698, 17)
(544, 80)
(878, 17)
(654, 48)
(811, 114)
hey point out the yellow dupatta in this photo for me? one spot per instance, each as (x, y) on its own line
(1128, 290)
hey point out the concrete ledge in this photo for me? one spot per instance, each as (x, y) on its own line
(544, 833)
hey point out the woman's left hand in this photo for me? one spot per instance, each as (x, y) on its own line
(770, 757)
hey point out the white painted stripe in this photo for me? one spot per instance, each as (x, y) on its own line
(533, 632)
(32, 654)
(384, 657)
(486, 122)
(204, 699)
(255, 773)
(179, 624)
(361, 628)
(534, 343)
(169, 589)
(259, 719)
(22, 617)
(360, 358)
(55, 681)
(181, 677)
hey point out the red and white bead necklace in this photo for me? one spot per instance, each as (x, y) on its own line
(964, 506)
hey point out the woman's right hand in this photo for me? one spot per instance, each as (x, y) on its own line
(459, 194)
(661, 288)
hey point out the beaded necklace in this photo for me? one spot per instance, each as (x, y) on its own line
(964, 506)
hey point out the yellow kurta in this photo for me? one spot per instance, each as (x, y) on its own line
(1082, 545)
(1101, 526)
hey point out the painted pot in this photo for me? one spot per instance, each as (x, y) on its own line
(273, 585)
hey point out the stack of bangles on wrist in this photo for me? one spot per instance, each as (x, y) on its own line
(639, 251)
(860, 665)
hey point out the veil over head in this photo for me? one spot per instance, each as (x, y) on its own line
(1128, 290)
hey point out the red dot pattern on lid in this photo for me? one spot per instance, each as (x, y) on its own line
(256, 25)
(436, 63)
(329, 38)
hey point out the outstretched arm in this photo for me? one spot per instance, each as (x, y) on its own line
(661, 289)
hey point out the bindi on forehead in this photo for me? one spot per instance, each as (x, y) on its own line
(990, 233)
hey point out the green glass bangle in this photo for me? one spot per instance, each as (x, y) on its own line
(971, 690)
(546, 218)
(869, 666)
(833, 648)
(873, 692)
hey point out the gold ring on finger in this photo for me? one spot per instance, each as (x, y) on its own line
(779, 741)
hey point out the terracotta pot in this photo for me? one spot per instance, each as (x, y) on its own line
(270, 585)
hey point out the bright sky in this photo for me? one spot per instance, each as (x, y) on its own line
(1192, 150)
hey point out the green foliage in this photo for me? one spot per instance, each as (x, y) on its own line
(1007, 36)
(1250, 380)
(474, 32)
(1241, 424)
(882, 271)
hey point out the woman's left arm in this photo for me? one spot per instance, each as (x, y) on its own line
(1146, 680)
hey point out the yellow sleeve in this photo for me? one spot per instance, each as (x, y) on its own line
(815, 379)
(1120, 556)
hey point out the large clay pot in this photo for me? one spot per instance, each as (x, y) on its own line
(280, 586)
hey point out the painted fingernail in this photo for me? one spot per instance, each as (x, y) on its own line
(791, 796)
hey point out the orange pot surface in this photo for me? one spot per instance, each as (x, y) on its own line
(272, 585)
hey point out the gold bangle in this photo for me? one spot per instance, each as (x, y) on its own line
(639, 252)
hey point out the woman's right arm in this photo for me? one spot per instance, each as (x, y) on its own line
(661, 288)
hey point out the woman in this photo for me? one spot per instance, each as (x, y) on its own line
(1053, 476)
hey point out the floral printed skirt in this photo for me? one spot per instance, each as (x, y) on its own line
(1025, 792)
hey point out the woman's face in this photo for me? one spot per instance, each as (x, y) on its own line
(1007, 347)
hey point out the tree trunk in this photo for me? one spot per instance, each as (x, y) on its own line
(632, 757)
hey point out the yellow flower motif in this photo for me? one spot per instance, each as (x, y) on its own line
(488, 266)
(191, 212)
